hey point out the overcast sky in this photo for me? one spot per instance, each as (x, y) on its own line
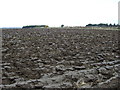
(17, 13)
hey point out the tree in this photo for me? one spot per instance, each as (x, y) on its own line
(62, 25)
(110, 25)
(114, 24)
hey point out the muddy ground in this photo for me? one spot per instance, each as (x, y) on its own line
(60, 58)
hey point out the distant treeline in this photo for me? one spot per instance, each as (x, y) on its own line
(34, 26)
(103, 25)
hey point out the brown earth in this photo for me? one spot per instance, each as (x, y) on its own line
(60, 58)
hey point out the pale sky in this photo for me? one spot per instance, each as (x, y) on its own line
(17, 13)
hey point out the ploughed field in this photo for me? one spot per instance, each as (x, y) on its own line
(60, 58)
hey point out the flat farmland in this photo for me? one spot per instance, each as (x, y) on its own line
(60, 58)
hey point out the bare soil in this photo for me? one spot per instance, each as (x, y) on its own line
(60, 58)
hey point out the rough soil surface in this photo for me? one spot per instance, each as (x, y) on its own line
(60, 58)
